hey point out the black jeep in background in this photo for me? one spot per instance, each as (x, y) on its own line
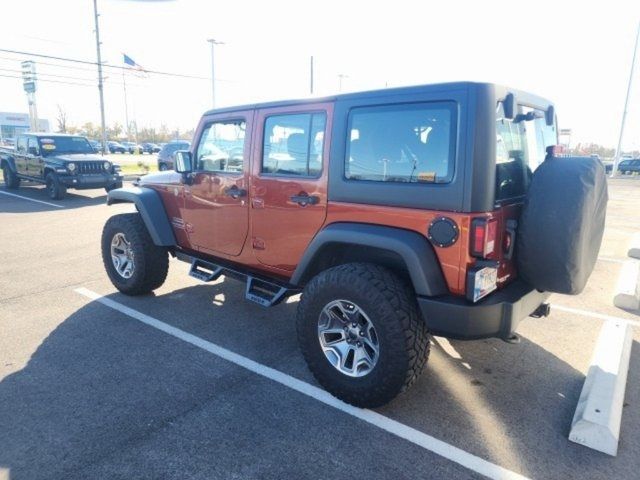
(60, 162)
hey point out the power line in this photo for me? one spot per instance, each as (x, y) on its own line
(52, 81)
(86, 62)
(41, 74)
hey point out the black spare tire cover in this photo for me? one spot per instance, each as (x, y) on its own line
(562, 223)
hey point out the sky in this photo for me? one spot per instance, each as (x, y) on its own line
(575, 53)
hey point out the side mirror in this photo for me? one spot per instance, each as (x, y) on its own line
(32, 150)
(550, 115)
(509, 105)
(183, 163)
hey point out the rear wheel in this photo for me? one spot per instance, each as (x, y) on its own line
(135, 265)
(361, 334)
(11, 180)
(55, 189)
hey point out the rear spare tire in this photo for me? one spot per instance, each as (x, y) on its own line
(562, 224)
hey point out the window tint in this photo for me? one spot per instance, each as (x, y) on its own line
(520, 149)
(401, 143)
(293, 144)
(221, 147)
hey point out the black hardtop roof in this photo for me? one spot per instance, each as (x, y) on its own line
(501, 91)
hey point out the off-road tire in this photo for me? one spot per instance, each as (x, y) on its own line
(55, 189)
(390, 304)
(11, 180)
(113, 186)
(151, 261)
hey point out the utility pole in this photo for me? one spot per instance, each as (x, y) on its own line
(626, 104)
(213, 43)
(100, 81)
(311, 77)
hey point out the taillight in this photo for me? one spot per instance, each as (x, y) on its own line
(484, 234)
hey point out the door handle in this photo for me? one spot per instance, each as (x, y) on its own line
(303, 199)
(235, 192)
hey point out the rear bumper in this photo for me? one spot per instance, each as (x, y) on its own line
(497, 315)
(87, 181)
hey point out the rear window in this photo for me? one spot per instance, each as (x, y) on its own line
(402, 143)
(520, 149)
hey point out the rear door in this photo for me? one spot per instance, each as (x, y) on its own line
(20, 157)
(216, 201)
(289, 181)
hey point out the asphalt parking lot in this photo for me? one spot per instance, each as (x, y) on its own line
(95, 388)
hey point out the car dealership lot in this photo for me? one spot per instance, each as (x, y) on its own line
(87, 390)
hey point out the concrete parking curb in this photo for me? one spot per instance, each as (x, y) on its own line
(627, 293)
(596, 422)
(634, 246)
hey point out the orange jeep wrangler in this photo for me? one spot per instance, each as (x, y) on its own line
(397, 214)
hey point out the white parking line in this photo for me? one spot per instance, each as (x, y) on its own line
(412, 435)
(31, 199)
(601, 316)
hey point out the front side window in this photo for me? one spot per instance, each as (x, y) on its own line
(221, 147)
(402, 143)
(293, 144)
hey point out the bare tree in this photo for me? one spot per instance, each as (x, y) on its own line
(61, 118)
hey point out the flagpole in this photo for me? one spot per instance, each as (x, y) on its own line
(126, 107)
(616, 159)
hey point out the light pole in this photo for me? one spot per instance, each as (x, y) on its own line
(213, 43)
(341, 76)
(100, 81)
(616, 159)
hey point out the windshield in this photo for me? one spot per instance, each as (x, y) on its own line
(520, 149)
(57, 145)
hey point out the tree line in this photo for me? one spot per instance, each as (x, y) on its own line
(116, 131)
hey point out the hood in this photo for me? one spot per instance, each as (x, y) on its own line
(161, 178)
(80, 157)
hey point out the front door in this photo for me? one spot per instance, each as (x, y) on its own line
(216, 215)
(289, 183)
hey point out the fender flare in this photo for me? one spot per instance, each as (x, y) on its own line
(414, 249)
(8, 160)
(149, 205)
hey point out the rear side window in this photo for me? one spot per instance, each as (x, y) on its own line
(520, 149)
(21, 146)
(293, 144)
(402, 143)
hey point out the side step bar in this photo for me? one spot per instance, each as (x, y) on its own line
(258, 290)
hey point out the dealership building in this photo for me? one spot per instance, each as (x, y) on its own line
(12, 124)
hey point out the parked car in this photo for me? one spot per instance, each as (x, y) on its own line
(165, 156)
(132, 147)
(116, 147)
(395, 213)
(629, 166)
(150, 148)
(59, 161)
(95, 145)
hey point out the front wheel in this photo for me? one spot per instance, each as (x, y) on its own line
(163, 167)
(55, 189)
(135, 265)
(11, 180)
(361, 334)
